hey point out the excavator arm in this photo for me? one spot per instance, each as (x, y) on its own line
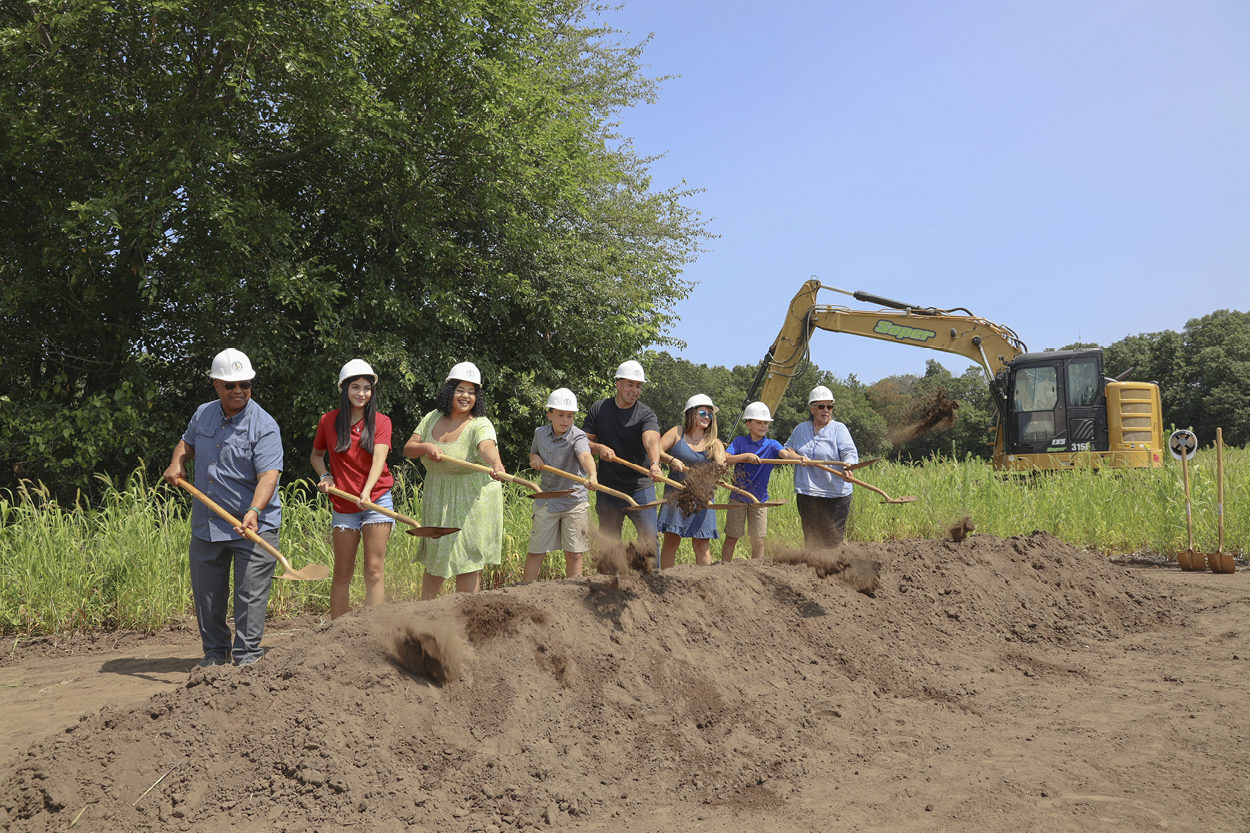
(990, 345)
(1053, 410)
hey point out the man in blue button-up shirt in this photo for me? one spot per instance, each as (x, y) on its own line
(237, 451)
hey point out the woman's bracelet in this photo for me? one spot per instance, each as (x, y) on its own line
(252, 509)
(327, 474)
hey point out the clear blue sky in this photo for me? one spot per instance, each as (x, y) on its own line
(1073, 170)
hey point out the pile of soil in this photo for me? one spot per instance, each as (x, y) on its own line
(886, 686)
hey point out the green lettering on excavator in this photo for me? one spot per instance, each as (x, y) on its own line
(889, 328)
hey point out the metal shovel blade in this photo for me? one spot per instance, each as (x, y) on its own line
(543, 495)
(431, 531)
(1193, 562)
(650, 505)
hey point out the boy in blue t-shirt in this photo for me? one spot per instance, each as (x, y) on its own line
(746, 451)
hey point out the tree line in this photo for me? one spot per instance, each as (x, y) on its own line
(413, 183)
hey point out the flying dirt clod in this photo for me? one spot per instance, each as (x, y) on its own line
(617, 559)
(861, 575)
(963, 529)
(700, 488)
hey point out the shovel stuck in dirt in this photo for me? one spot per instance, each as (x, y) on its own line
(313, 572)
(1220, 561)
(1183, 445)
(414, 527)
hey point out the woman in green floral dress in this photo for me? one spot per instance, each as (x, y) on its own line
(454, 495)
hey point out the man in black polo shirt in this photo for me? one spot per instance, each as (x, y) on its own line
(626, 428)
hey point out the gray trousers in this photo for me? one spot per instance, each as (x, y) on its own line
(211, 562)
(823, 520)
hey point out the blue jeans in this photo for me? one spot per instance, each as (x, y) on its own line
(611, 513)
(355, 520)
(210, 585)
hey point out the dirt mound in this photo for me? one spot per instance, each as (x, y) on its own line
(625, 702)
(434, 652)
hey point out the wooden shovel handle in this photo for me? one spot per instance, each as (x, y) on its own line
(849, 478)
(738, 491)
(844, 466)
(233, 521)
(642, 470)
(520, 481)
(587, 483)
(390, 513)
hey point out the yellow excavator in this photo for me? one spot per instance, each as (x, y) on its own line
(1056, 410)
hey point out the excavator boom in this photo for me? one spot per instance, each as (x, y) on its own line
(1055, 410)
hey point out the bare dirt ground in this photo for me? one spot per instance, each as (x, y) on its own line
(985, 685)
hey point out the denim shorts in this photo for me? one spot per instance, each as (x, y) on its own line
(355, 520)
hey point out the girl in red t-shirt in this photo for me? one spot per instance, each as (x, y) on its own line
(358, 439)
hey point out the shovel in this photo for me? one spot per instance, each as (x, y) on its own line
(753, 498)
(313, 572)
(520, 481)
(852, 479)
(634, 506)
(1220, 562)
(843, 466)
(1189, 560)
(674, 483)
(415, 528)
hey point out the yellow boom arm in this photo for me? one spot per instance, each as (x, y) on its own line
(988, 344)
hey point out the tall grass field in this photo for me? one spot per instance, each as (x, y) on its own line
(123, 564)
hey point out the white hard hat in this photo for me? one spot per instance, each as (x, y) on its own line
(631, 370)
(757, 410)
(562, 399)
(354, 368)
(466, 372)
(231, 365)
(700, 399)
(820, 393)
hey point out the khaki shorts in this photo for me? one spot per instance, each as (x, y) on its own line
(738, 515)
(568, 530)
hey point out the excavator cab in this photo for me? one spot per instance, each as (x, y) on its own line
(1055, 403)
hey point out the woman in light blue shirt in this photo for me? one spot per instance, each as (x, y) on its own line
(823, 499)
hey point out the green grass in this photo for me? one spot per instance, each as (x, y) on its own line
(123, 564)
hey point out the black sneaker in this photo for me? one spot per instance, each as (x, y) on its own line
(209, 662)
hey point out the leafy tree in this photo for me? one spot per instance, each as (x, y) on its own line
(672, 381)
(412, 183)
(1203, 373)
